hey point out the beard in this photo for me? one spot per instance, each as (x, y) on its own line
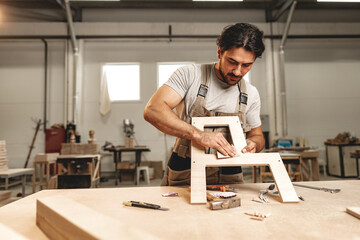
(229, 78)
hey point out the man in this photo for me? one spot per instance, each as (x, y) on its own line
(211, 90)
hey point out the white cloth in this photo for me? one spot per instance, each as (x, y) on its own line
(105, 102)
(220, 97)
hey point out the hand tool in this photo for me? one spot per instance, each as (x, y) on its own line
(225, 203)
(225, 188)
(262, 197)
(319, 188)
(144, 205)
(271, 187)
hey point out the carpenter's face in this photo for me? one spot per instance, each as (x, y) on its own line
(234, 64)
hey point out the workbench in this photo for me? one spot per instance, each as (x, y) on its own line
(118, 150)
(321, 216)
(91, 161)
(15, 172)
(309, 160)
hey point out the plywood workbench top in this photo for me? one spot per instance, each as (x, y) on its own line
(321, 216)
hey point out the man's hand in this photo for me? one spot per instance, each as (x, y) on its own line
(250, 147)
(215, 140)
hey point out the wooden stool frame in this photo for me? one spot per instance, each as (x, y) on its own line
(200, 160)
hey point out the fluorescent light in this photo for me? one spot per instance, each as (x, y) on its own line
(217, 0)
(339, 1)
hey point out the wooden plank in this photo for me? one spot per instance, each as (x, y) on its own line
(355, 211)
(62, 218)
(8, 233)
(5, 195)
(200, 160)
(309, 219)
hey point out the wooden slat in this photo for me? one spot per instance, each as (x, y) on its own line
(62, 218)
(355, 211)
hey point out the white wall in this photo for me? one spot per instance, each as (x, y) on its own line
(322, 84)
(22, 94)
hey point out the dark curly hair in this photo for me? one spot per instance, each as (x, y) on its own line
(243, 35)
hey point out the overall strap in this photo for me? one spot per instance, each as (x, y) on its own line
(182, 146)
(243, 96)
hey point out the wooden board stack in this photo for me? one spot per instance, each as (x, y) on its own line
(3, 159)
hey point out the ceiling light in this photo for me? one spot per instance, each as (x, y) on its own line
(339, 1)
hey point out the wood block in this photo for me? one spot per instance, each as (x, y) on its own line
(5, 195)
(355, 211)
(200, 160)
(62, 218)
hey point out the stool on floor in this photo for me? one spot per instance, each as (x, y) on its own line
(145, 170)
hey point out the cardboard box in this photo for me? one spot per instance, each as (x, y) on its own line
(157, 166)
(79, 148)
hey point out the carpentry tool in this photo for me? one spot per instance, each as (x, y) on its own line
(262, 197)
(143, 205)
(319, 188)
(225, 188)
(225, 203)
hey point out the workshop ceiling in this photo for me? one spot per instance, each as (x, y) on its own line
(36, 8)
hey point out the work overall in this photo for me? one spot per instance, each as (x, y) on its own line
(178, 169)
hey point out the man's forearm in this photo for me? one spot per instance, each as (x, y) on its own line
(256, 136)
(259, 141)
(168, 122)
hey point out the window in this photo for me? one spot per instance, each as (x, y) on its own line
(165, 70)
(123, 81)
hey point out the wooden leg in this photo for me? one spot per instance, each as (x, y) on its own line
(262, 174)
(34, 178)
(47, 173)
(315, 169)
(41, 180)
(254, 174)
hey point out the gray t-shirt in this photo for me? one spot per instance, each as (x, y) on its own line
(220, 97)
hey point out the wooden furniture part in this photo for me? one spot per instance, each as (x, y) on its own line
(355, 211)
(309, 160)
(3, 156)
(44, 161)
(73, 222)
(200, 160)
(290, 160)
(118, 150)
(309, 219)
(339, 161)
(356, 155)
(70, 163)
(310, 165)
(13, 173)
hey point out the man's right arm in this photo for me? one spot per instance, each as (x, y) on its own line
(159, 113)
